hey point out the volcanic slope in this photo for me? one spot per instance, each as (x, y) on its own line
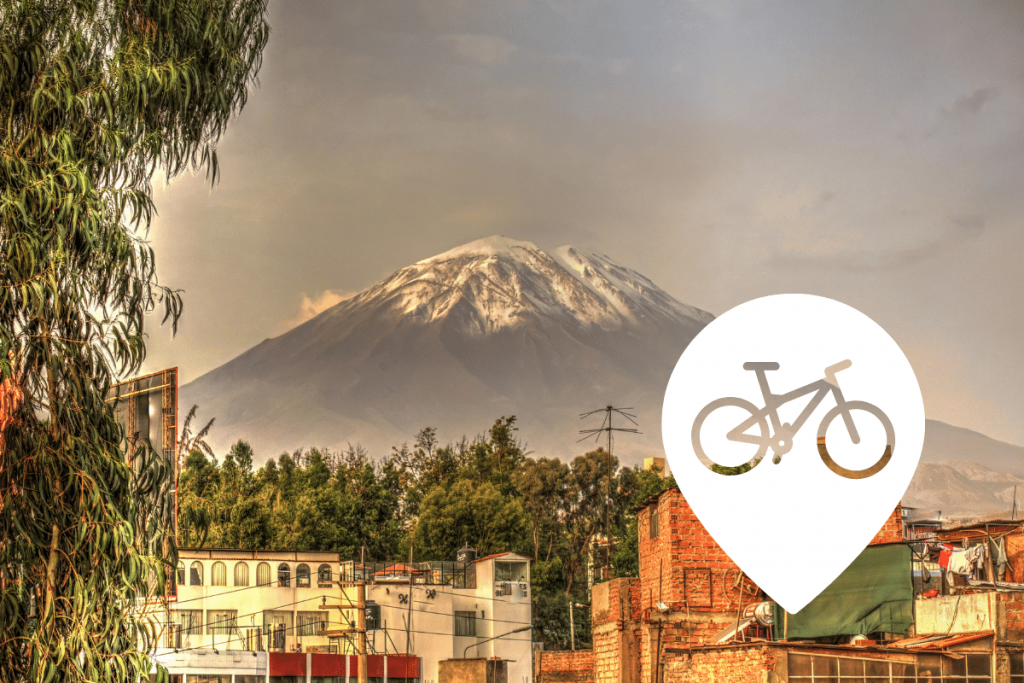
(494, 327)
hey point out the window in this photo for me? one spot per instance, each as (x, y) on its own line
(927, 668)
(324, 575)
(191, 621)
(465, 623)
(509, 571)
(209, 678)
(181, 574)
(284, 575)
(280, 619)
(1017, 667)
(221, 621)
(195, 572)
(654, 522)
(311, 623)
(302, 576)
(241, 574)
(219, 575)
(263, 574)
(372, 617)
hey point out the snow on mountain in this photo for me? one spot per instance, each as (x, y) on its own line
(494, 327)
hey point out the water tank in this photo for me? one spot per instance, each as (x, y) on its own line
(762, 611)
(466, 554)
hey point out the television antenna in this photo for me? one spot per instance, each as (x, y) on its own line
(606, 426)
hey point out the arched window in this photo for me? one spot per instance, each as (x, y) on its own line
(302, 576)
(181, 574)
(284, 575)
(195, 572)
(219, 575)
(323, 575)
(241, 574)
(263, 574)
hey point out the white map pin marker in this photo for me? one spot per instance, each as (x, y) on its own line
(822, 389)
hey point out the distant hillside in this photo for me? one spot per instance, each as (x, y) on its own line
(959, 488)
(946, 442)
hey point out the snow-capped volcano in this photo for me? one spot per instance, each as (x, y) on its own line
(494, 327)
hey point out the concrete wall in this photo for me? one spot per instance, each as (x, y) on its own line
(473, 671)
(207, 662)
(955, 614)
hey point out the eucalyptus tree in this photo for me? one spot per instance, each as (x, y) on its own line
(95, 96)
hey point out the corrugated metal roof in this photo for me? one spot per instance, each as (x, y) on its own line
(939, 641)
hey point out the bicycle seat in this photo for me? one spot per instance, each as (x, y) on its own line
(760, 366)
(841, 365)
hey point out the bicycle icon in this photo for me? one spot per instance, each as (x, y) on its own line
(780, 438)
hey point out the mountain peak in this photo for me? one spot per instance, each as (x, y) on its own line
(488, 246)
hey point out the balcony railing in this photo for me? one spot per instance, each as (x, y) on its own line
(454, 574)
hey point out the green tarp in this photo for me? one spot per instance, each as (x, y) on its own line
(875, 593)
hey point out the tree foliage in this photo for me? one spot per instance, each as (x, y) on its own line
(95, 97)
(486, 492)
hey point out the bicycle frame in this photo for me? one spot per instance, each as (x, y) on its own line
(781, 432)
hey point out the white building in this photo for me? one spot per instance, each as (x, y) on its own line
(235, 601)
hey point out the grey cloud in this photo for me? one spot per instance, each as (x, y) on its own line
(969, 105)
(485, 50)
(961, 229)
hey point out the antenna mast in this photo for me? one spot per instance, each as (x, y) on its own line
(606, 426)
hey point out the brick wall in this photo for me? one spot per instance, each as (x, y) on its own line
(564, 667)
(683, 565)
(728, 665)
(892, 530)
(1015, 558)
(615, 630)
(1011, 607)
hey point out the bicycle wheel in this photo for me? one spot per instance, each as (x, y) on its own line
(890, 440)
(739, 432)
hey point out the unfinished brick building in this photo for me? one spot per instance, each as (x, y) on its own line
(674, 623)
(688, 591)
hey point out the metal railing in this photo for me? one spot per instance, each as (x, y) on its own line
(454, 574)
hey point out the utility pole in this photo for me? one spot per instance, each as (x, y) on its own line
(606, 426)
(360, 607)
(572, 628)
(361, 627)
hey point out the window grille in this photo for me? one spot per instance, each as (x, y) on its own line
(191, 621)
(302, 576)
(221, 622)
(263, 574)
(324, 575)
(311, 623)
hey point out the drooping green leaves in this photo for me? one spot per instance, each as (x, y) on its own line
(94, 97)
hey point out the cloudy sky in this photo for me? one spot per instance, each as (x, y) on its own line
(872, 152)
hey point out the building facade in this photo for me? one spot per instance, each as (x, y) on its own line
(296, 603)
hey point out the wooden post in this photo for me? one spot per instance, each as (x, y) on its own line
(361, 628)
